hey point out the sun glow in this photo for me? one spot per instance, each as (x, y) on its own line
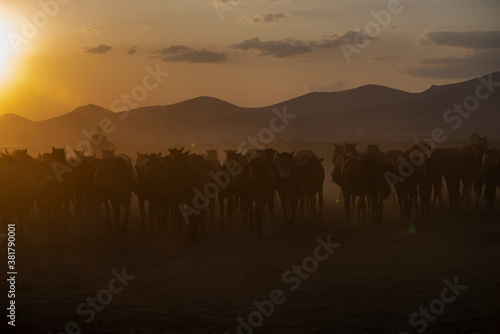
(6, 54)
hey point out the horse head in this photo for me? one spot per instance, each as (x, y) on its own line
(350, 148)
(108, 154)
(21, 155)
(58, 154)
(285, 164)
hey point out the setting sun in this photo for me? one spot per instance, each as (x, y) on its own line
(6, 53)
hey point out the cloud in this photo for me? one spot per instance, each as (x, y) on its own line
(278, 49)
(176, 53)
(88, 30)
(379, 58)
(471, 65)
(132, 50)
(271, 18)
(97, 50)
(338, 85)
(335, 40)
(477, 40)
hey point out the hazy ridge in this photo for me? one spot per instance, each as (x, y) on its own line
(366, 113)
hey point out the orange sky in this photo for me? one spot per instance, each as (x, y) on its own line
(262, 52)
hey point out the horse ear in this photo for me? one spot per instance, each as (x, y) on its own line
(355, 144)
(321, 160)
(170, 150)
(293, 153)
(113, 150)
(53, 148)
(378, 145)
(182, 149)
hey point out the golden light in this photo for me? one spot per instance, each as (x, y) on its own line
(6, 54)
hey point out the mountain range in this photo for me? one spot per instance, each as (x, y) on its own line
(367, 113)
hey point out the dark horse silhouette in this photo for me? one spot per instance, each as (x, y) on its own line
(81, 177)
(291, 185)
(407, 190)
(262, 191)
(149, 187)
(358, 175)
(315, 177)
(114, 183)
(17, 191)
(489, 175)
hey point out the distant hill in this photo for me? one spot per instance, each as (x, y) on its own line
(366, 113)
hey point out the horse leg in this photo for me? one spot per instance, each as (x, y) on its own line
(142, 211)
(465, 190)
(375, 208)
(489, 194)
(126, 206)
(347, 206)
(294, 203)
(478, 186)
(116, 213)
(211, 209)
(320, 203)
(151, 214)
(65, 214)
(250, 209)
(358, 210)
(380, 209)
(312, 207)
(362, 205)
(230, 211)
(284, 205)
(270, 206)
(401, 204)
(108, 218)
(301, 203)
(221, 210)
(259, 211)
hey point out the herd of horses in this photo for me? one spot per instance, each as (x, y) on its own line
(417, 175)
(172, 189)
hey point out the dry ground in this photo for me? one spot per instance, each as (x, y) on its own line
(372, 283)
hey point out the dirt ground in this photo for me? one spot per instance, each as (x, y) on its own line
(373, 282)
(376, 278)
